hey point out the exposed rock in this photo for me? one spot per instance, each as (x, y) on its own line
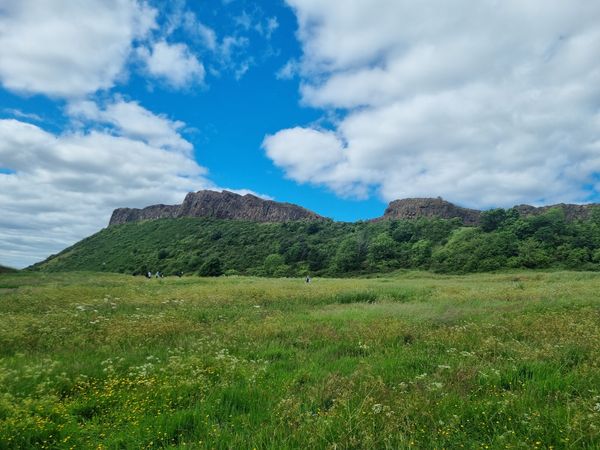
(228, 205)
(124, 215)
(220, 205)
(414, 208)
(572, 212)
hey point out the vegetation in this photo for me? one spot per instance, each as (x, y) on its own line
(4, 269)
(213, 247)
(411, 361)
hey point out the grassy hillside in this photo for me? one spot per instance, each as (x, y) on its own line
(213, 247)
(4, 269)
(421, 361)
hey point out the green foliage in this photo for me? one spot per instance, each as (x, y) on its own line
(275, 266)
(502, 241)
(349, 255)
(211, 268)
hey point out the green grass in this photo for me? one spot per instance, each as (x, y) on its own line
(411, 361)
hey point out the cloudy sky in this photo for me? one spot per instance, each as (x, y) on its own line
(340, 106)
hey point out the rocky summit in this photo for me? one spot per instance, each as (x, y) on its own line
(228, 205)
(219, 205)
(414, 208)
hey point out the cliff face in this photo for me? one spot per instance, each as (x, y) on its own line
(220, 205)
(414, 208)
(572, 212)
(227, 205)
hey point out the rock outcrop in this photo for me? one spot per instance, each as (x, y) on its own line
(228, 205)
(572, 212)
(414, 208)
(219, 205)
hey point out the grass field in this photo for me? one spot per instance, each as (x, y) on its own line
(410, 361)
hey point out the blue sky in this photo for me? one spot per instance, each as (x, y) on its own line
(340, 106)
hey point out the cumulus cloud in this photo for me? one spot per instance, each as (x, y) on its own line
(61, 188)
(174, 63)
(68, 49)
(487, 104)
(132, 120)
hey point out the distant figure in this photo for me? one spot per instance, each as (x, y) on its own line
(149, 274)
(180, 273)
(157, 274)
(307, 279)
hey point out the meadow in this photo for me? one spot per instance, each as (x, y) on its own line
(410, 360)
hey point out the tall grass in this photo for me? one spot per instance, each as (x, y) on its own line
(412, 361)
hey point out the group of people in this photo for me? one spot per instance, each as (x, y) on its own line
(159, 274)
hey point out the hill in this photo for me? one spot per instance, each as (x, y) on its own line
(218, 205)
(229, 205)
(207, 246)
(4, 269)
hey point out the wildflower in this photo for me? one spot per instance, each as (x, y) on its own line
(377, 408)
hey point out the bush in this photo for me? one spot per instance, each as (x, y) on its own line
(211, 268)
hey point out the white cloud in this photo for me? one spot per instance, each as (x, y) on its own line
(207, 35)
(288, 71)
(174, 63)
(68, 49)
(132, 120)
(65, 186)
(306, 154)
(488, 105)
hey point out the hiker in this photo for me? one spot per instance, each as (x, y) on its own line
(149, 275)
(307, 279)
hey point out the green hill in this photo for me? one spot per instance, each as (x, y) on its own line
(212, 247)
(4, 269)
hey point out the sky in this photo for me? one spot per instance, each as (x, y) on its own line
(339, 106)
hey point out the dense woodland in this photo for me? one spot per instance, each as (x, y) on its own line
(211, 247)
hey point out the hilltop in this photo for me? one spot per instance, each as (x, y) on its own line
(4, 269)
(232, 206)
(218, 205)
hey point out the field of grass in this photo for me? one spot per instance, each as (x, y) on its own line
(409, 361)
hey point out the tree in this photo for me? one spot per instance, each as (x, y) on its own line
(211, 268)
(348, 257)
(382, 248)
(492, 220)
(274, 265)
(421, 253)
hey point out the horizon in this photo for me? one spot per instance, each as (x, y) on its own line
(338, 107)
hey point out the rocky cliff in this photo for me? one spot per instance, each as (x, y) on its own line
(572, 212)
(227, 205)
(220, 205)
(414, 208)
